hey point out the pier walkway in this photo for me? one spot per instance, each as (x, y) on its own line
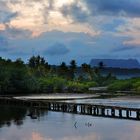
(77, 108)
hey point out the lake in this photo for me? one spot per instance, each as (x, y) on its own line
(15, 124)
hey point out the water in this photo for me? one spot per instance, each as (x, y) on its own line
(109, 102)
(16, 125)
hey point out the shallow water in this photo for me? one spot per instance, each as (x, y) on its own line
(57, 96)
(111, 102)
(16, 125)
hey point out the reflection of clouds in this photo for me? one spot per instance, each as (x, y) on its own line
(134, 133)
(36, 136)
(93, 136)
(105, 130)
(13, 134)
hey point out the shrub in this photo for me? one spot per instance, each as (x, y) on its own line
(76, 87)
(90, 84)
(136, 85)
(52, 84)
(120, 85)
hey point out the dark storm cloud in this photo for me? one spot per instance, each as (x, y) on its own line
(115, 7)
(127, 8)
(75, 11)
(57, 49)
(123, 48)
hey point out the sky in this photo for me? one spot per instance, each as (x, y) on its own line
(61, 30)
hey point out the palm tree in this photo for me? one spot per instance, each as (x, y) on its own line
(101, 64)
(32, 62)
(73, 67)
(87, 70)
(63, 70)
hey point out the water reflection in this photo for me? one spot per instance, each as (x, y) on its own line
(10, 115)
(16, 124)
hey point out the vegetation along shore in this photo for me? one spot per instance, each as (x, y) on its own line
(37, 76)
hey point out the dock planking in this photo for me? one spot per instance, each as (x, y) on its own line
(77, 108)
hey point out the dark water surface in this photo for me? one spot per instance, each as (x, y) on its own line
(15, 124)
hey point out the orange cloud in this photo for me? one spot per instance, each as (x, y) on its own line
(39, 17)
(2, 27)
(131, 30)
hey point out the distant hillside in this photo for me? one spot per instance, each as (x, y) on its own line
(116, 63)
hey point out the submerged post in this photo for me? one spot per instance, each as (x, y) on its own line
(138, 115)
(113, 112)
(120, 113)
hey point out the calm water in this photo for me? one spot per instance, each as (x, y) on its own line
(110, 102)
(16, 125)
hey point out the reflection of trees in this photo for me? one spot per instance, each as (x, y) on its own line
(11, 115)
(15, 115)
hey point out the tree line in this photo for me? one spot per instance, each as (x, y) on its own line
(38, 76)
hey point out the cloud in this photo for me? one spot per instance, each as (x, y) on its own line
(2, 27)
(10, 16)
(83, 11)
(47, 15)
(57, 49)
(129, 8)
(6, 14)
(14, 33)
(77, 10)
(130, 30)
(3, 43)
(123, 48)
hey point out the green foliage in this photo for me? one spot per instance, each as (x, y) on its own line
(126, 85)
(121, 85)
(52, 84)
(103, 80)
(39, 77)
(78, 87)
(136, 85)
(91, 84)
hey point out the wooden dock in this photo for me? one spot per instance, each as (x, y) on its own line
(77, 108)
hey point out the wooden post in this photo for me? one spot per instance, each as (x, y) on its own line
(95, 111)
(138, 115)
(113, 112)
(127, 113)
(75, 108)
(103, 111)
(90, 110)
(107, 112)
(120, 113)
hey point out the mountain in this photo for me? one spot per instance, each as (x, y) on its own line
(116, 63)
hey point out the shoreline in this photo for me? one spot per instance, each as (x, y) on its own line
(57, 96)
(75, 96)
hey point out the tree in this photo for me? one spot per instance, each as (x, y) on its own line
(101, 65)
(63, 70)
(19, 62)
(87, 70)
(32, 62)
(38, 60)
(73, 67)
(42, 61)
